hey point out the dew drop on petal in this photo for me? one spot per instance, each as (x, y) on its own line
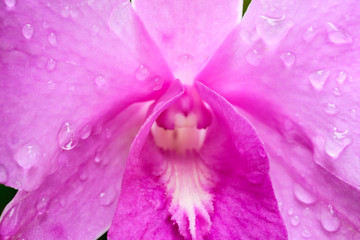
(51, 84)
(331, 109)
(66, 137)
(341, 77)
(338, 36)
(3, 174)
(28, 31)
(334, 146)
(28, 155)
(84, 174)
(51, 64)
(52, 39)
(254, 57)
(65, 12)
(295, 220)
(318, 79)
(290, 211)
(328, 219)
(100, 81)
(273, 30)
(42, 205)
(306, 233)
(10, 3)
(142, 73)
(310, 34)
(107, 197)
(303, 195)
(288, 58)
(157, 83)
(85, 132)
(337, 92)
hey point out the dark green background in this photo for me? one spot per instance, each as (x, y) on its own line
(6, 193)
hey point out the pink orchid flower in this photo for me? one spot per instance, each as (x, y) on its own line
(180, 119)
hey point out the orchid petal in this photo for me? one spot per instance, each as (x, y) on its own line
(305, 83)
(292, 67)
(243, 203)
(188, 32)
(88, 184)
(78, 201)
(63, 67)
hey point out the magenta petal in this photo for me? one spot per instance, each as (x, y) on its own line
(241, 202)
(63, 67)
(78, 201)
(129, 222)
(294, 65)
(245, 205)
(188, 32)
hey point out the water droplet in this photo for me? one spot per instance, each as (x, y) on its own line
(65, 12)
(52, 39)
(97, 159)
(303, 195)
(339, 134)
(3, 174)
(28, 31)
(306, 233)
(254, 57)
(295, 220)
(291, 211)
(157, 82)
(318, 79)
(142, 73)
(84, 174)
(328, 219)
(100, 81)
(337, 92)
(10, 3)
(185, 59)
(28, 155)
(85, 132)
(45, 25)
(51, 84)
(94, 30)
(338, 36)
(288, 58)
(273, 30)
(341, 77)
(66, 137)
(42, 205)
(310, 34)
(335, 146)
(51, 64)
(107, 197)
(354, 114)
(331, 109)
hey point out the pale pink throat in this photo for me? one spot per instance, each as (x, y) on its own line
(180, 132)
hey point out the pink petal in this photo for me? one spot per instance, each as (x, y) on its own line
(188, 32)
(244, 204)
(78, 201)
(296, 68)
(62, 69)
(291, 66)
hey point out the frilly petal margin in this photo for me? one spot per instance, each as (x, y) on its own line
(188, 32)
(293, 67)
(78, 201)
(244, 204)
(63, 69)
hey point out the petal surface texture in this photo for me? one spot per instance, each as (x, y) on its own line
(293, 68)
(78, 201)
(188, 32)
(65, 66)
(231, 196)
